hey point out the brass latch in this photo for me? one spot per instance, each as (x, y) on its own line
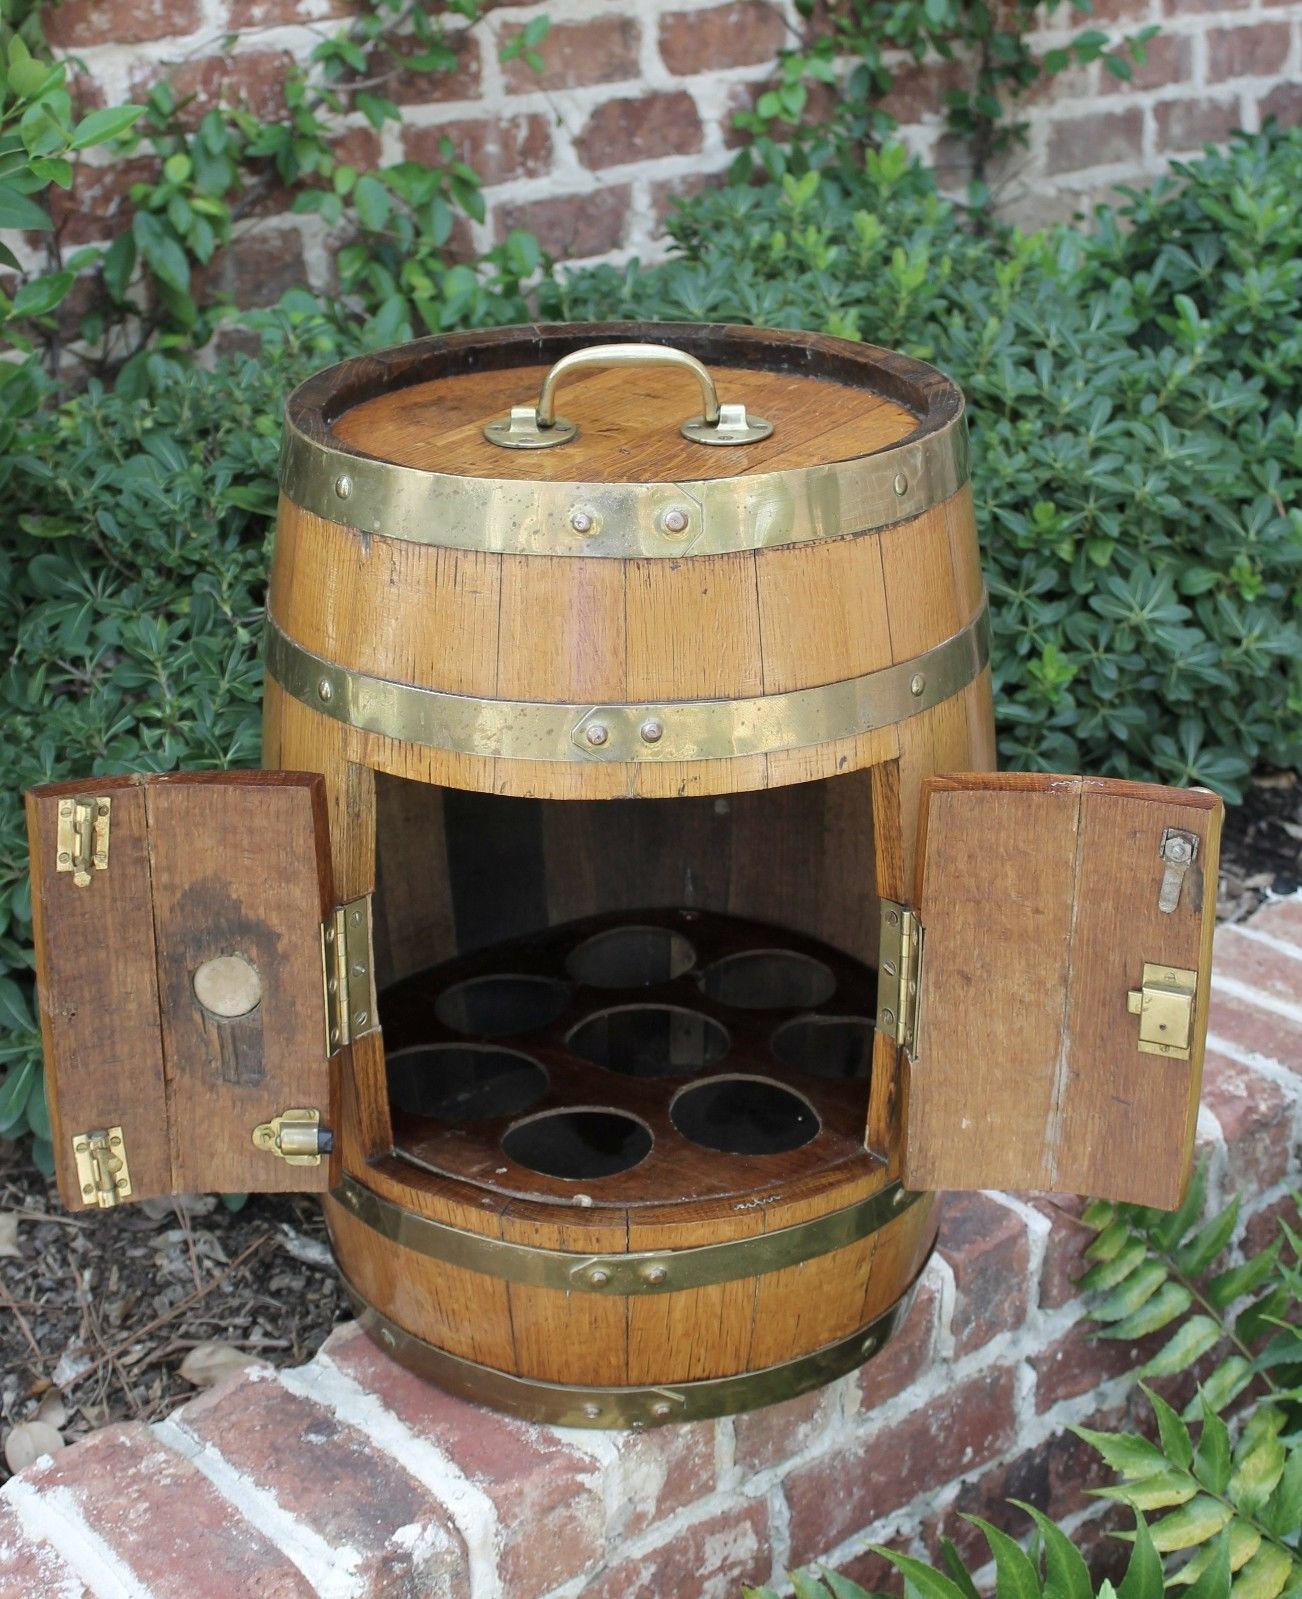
(296, 1137)
(899, 980)
(82, 842)
(348, 970)
(1165, 1006)
(1179, 851)
(102, 1174)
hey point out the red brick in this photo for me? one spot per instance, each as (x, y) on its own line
(662, 1471)
(1077, 1362)
(1283, 918)
(987, 1247)
(872, 1571)
(547, 1496)
(97, 206)
(74, 24)
(1260, 966)
(739, 35)
(920, 88)
(1262, 1227)
(498, 148)
(1176, 8)
(421, 86)
(570, 226)
(848, 1489)
(358, 147)
(668, 192)
(603, 50)
(1063, 1248)
(30, 1568)
(290, 1447)
(1190, 124)
(710, 1559)
(165, 1521)
(908, 1352)
(1256, 51)
(640, 128)
(1257, 1120)
(262, 264)
(270, 13)
(1099, 138)
(253, 80)
(774, 1434)
(1262, 1032)
(1130, 11)
(1283, 103)
(1167, 59)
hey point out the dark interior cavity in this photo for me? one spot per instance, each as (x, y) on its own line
(650, 1040)
(463, 1082)
(839, 1048)
(577, 1144)
(743, 1116)
(631, 957)
(491, 1007)
(769, 979)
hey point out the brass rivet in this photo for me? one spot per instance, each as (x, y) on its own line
(325, 690)
(387, 1338)
(900, 1196)
(582, 521)
(917, 683)
(868, 1345)
(65, 808)
(360, 1018)
(888, 1018)
(889, 968)
(597, 734)
(674, 521)
(343, 487)
(652, 730)
(591, 1411)
(598, 1278)
(64, 857)
(654, 1274)
(901, 484)
(893, 917)
(661, 1409)
(88, 1190)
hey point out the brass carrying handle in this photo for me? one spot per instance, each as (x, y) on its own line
(537, 427)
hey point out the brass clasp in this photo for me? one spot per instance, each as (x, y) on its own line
(295, 1136)
(1165, 1006)
(82, 841)
(101, 1160)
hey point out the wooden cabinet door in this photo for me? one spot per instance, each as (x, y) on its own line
(180, 978)
(1055, 1046)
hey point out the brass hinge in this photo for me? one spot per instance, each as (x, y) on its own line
(295, 1136)
(348, 970)
(899, 979)
(1165, 1007)
(82, 840)
(102, 1172)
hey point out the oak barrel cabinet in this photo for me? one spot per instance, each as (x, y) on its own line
(629, 934)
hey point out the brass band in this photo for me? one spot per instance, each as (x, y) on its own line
(661, 1271)
(715, 515)
(676, 730)
(564, 1405)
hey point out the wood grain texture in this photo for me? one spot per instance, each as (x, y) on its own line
(200, 866)
(628, 420)
(1028, 1072)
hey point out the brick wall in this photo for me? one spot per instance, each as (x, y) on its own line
(635, 105)
(347, 1477)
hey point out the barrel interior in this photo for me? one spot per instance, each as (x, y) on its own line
(628, 1002)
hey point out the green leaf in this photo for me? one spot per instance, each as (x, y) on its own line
(1211, 1463)
(1282, 1513)
(1067, 1575)
(373, 202)
(1126, 1453)
(14, 1092)
(1194, 1257)
(1176, 1443)
(1214, 1582)
(17, 211)
(1230, 1285)
(1115, 1268)
(42, 294)
(1257, 1473)
(1189, 1343)
(1265, 1575)
(38, 1111)
(1171, 1300)
(843, 1588)
(805, 1587)
(1163, 1491)
(929, 1584)
(953, 1562)
(1202, 1518)
(1123, 1301)
(1229, 1379)
(107, 123)
(1143, 1579)
(1015, 1576)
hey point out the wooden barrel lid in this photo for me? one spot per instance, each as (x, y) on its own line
(395, 443)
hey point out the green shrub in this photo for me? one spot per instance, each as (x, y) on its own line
(1134, 397)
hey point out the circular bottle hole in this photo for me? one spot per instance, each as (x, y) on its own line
(463, 1082)
(631, 957)
(743, 1116)
(490, 1007)
(650, 1040)
(576, 1144)
(769, 979)
(839, 1048)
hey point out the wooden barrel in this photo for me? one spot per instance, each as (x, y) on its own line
(717, 590)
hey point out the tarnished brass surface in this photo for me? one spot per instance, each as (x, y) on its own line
(686, 730)
(660, 1271)
(570, 1406)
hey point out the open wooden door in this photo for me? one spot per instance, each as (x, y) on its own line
(1066, 931)
(181, 942)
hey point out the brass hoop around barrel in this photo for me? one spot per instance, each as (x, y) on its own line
(564, 1405)
(683, 730)
(711, 516)
(660, 1271)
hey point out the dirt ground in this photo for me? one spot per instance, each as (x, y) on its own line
(98, 1312)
